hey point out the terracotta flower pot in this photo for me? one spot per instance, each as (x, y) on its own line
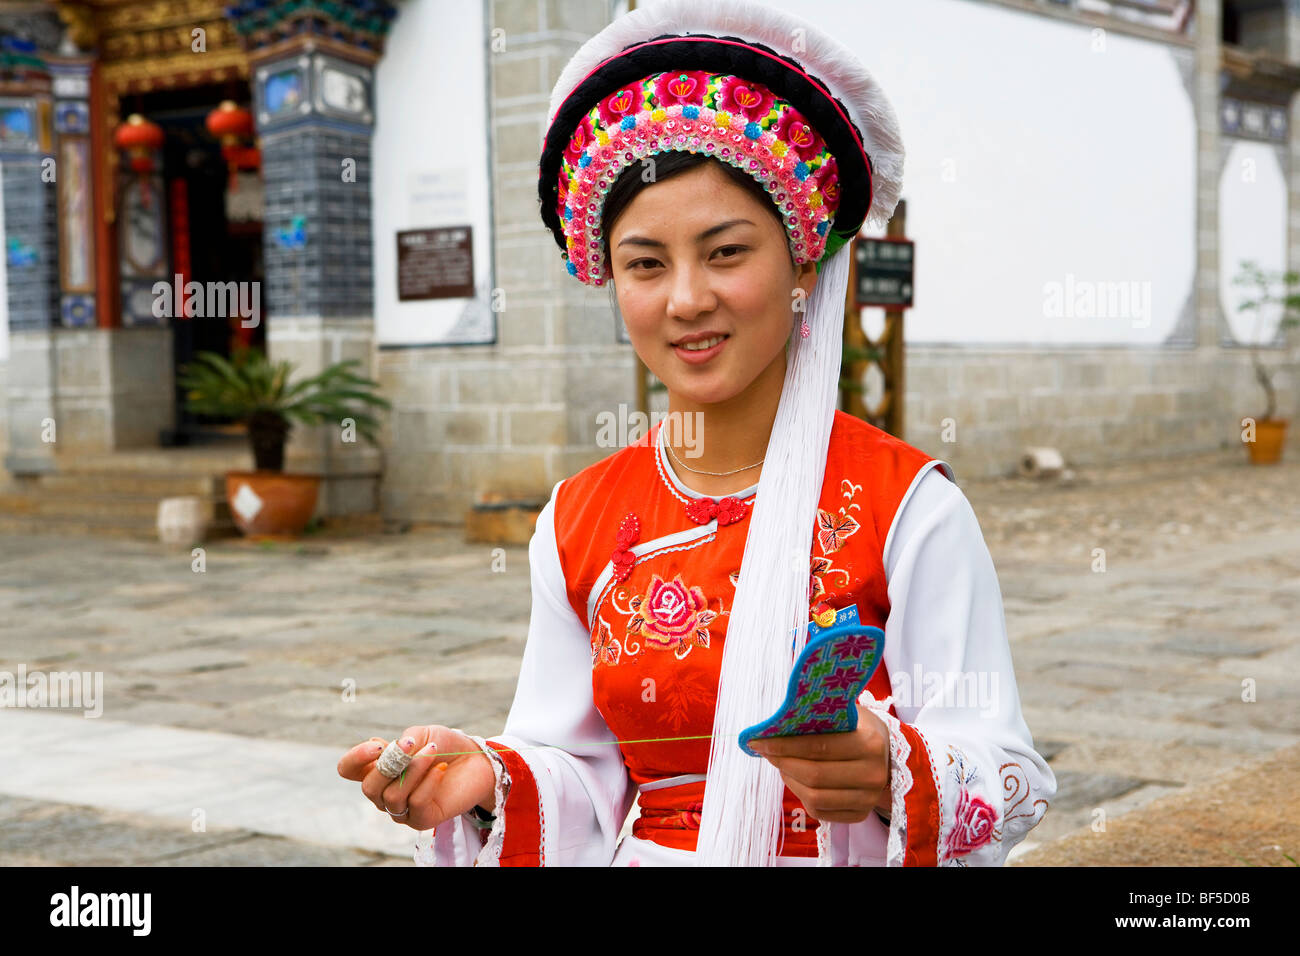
(1270, 434)
(271, 503)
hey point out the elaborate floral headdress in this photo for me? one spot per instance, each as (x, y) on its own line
(754, 87)
(772, 95)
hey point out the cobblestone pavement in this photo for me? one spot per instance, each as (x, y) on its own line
(1130, 672)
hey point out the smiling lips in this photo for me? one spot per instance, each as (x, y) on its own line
(700, 350)
(701, 344)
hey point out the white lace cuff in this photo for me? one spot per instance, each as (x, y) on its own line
(900, 778)
(496, 836)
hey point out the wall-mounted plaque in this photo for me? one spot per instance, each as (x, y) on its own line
(435, 263)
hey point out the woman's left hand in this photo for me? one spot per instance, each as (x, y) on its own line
(839, 778)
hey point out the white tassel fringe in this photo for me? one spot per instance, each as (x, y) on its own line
(741, 822)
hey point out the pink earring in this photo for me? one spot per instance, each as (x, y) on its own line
(804, 329)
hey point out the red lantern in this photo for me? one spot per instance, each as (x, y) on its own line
(141, 139)
(233, 124)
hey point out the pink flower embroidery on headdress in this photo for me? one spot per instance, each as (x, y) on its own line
(794, 129)
(827, 181)
(622, 102)
(737, 121)
(750, 100)
(582, 135)
(682, 88)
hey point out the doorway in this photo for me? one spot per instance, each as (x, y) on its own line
(215, 235)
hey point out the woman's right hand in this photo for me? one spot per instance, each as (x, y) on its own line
(448, 776)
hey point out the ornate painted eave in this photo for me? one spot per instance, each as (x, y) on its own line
(361, 24)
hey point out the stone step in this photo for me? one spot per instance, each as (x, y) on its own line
(97, 526)
(134, 508)
(146, 485)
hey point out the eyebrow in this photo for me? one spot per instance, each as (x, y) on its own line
(711, 231)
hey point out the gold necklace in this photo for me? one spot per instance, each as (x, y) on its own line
(715, 474)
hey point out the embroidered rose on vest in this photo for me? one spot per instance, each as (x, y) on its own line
(973, 827)
(670, 615)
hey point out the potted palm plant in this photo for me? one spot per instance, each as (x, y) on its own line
(1264, 436)
(248, 388)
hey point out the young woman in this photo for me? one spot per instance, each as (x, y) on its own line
(711, 161)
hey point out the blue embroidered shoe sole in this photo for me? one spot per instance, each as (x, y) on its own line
(822, 696)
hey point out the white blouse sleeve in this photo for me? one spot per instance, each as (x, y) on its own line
(967, 784)
(563, 791)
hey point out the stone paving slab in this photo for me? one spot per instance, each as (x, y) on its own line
(1249, 816)
(264, 786)
(38, 833)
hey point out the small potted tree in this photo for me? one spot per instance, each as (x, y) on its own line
(251, 390)
(1265, 435)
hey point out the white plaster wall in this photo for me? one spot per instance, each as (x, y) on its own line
(1038, 153)
(430, 154)
(1252, 227)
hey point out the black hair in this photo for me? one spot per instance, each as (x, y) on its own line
(666, 165)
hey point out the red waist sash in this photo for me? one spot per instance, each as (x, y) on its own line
(670, 816)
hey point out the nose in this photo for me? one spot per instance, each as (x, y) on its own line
(690, 293)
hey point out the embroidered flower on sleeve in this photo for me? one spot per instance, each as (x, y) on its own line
(975, 822)
(974, 825)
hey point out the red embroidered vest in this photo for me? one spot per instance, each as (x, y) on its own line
(656, 592)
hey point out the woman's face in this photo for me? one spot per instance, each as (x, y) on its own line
(696, 254)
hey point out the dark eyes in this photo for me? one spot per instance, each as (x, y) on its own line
(735, 251)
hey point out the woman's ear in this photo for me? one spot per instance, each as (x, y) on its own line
(805, 277)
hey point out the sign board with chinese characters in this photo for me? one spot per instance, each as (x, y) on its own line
(884, 272)
(435, 263)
